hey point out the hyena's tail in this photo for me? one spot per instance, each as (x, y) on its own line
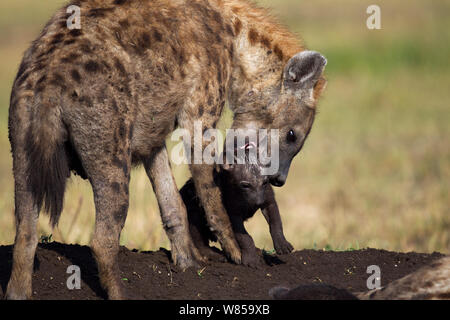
(48, 163)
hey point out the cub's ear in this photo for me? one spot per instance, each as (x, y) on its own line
(304, 70)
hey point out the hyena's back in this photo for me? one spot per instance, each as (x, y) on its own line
(112, 91)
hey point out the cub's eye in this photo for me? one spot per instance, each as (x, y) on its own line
(291, 137)
(245, 185)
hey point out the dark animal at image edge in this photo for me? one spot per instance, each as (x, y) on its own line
(431, 282)
(98, 100)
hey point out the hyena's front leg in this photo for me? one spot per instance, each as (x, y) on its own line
(172, 210)
(208, 192)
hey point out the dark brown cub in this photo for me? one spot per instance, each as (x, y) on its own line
(244, 190)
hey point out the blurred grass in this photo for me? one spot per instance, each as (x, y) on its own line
(376, 168)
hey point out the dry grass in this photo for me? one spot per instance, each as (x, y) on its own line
(376, 168)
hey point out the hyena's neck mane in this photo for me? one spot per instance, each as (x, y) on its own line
(257, 28)
(262, 47)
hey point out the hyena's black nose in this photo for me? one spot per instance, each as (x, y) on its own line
(278, 181)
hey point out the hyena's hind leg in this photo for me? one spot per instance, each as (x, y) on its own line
(111, 207)
(172, 210)
(108, 170)
(27, 215)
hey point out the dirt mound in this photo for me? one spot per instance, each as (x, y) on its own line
(149, 275)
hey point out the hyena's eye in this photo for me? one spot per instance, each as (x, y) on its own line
(291, 137)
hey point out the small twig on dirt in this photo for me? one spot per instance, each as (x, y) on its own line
(317, 279)
(170, 274)
(234, 282)
(349, 271)
(200, 272)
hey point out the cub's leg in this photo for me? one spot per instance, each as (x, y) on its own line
(249, 252)
(172, 209)
(198, 226)
(196, 218)
(272, 215)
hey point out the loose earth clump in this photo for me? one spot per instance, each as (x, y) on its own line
(150, 275)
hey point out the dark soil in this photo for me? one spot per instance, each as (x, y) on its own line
(149, 275)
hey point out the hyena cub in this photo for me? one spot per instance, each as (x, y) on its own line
(244, 190)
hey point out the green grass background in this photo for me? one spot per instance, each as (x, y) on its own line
(375, 171)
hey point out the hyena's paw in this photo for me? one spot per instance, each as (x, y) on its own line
(119, 293)
(282, 246)
(231, 250)
(17, 293)
(185, 255)
(14, 296)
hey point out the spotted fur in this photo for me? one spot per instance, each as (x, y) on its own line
(98, 100)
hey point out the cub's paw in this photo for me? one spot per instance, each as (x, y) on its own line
(282, 246)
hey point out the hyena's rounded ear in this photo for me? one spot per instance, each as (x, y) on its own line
(304, 70)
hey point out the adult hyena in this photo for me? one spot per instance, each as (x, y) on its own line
(99, 99)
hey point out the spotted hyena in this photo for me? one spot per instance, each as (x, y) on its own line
(99, 99)
(431, 282)
(245, 190)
